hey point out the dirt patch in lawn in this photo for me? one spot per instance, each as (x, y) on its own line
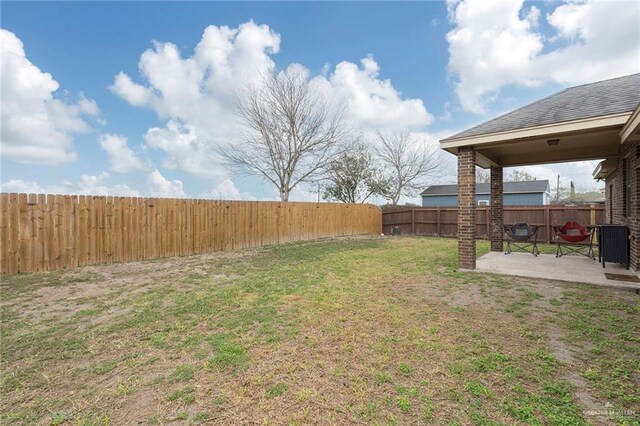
(62, 294)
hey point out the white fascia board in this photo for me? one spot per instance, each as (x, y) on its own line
(539, 131)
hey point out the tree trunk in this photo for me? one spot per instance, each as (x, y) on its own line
(284, 194)
(395, 198)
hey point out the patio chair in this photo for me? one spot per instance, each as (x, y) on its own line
(574, 237)
(522, 237)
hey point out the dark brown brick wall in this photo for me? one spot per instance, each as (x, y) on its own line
(496, 209)
(467, 208)
(615, 195)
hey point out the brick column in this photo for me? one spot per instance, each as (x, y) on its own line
(496, 209)
(467, 208)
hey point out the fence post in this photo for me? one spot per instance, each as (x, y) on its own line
(547, 222)
(413, 221)
(592, 220)
(438, 223)
(487, 218)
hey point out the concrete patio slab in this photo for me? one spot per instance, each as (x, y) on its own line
(575, 269)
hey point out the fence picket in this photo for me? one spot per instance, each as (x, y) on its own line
(5, 239)
(442, 221)
(49, 232)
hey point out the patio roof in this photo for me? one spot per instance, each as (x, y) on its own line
(579, 123)
(631, 129)
(585, 122)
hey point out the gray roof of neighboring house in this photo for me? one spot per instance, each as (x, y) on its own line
(531, 186)
(613, 96)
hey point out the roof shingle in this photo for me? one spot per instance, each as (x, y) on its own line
(617, 95)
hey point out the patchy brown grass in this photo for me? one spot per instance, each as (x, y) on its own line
(368, 330)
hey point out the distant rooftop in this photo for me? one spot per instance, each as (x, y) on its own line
(614, 96)
(530, 186)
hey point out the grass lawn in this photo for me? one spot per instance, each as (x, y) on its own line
(360, 330)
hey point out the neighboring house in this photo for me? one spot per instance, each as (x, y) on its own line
(527, 193)
(593, 121)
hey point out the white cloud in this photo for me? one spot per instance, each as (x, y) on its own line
(123, 190)
(131, 92)
(183, 149)
(159, 186)
(37, 127)
(88, 106)
(88, 185)
(372, 103)
(227, 190)
(303, 195)
(94, 184)
(19, 185)
(580, 172)
(498, 43)
(122, 159)
(197, 94)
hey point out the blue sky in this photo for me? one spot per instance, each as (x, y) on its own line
(436, 68)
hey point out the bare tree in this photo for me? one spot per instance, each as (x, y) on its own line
(353, 176)
(483, 175)
(408, 161)
(520, 176)
(291, 131)
(559, 193)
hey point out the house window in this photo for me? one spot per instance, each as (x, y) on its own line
(483, 202)
(626, 199)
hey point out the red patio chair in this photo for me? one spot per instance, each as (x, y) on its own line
(571, 237)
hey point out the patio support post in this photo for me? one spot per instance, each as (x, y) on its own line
(467, 207)
(497, 205)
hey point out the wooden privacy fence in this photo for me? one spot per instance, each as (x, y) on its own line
(443, 221)
(48, 232)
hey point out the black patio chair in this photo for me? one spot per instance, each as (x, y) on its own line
(522, 237)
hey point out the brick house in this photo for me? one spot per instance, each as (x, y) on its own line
(599, 120)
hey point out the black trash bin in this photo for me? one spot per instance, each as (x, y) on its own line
(613, 244)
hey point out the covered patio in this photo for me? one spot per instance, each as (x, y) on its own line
(597, 121)
(566, 268)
